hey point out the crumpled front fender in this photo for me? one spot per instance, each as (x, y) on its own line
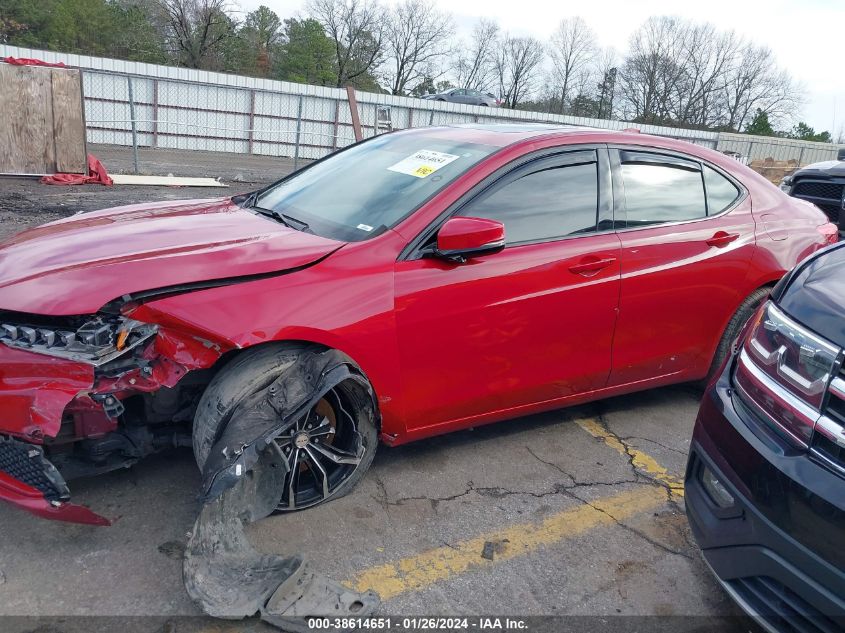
(35, 389)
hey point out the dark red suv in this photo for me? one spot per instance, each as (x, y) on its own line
(413, 284)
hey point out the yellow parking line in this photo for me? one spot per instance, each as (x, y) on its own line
(639, 459)
(419, 571)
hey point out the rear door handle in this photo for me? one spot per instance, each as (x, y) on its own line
(721, 238)
(589, 266)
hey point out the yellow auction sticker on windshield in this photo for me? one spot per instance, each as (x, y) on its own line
(423, 163)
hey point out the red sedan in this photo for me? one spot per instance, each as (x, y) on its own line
(414, 284)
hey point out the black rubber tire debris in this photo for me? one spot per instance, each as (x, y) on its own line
(229, 579)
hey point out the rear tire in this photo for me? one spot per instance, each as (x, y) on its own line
(337, 426)
(745, 311)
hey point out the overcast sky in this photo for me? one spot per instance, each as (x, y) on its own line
(806, 36)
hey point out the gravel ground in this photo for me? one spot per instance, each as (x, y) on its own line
(25, 202)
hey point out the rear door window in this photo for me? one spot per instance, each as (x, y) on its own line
(660, 189)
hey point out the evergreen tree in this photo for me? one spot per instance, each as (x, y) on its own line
(760, 125)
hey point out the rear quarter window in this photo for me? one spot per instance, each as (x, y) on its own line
(721, 192)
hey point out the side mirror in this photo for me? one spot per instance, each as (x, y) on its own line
(840, 155)
(462, 238)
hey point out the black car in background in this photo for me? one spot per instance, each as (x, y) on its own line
(765, 481)
(823, 184)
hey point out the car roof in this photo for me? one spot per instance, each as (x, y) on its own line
(503, 134)
(513, 134)
(528, 129)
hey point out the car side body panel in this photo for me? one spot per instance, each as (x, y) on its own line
(507, 330)
(359, 323)
(445, 345)
(376, 314)
(786, 228)
(678, 293)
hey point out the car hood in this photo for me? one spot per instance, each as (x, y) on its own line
(77, 265)
(815, 295)
(829, 168)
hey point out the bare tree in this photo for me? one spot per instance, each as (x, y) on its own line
(573, 51)
(196, 29)
(416, 39)
(708, 59)
(517, 61)
(678, 72)
(475, 65)
(357, 29)
(653, 69)
(757, 82)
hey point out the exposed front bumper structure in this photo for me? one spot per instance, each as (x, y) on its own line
(44, 396)
(34, 392)
(30, 482)
(776, 549)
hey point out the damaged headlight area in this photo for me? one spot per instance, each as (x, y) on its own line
(95, 339)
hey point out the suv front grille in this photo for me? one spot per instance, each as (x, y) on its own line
(824, 194)
(828, 443)
(816, 189)
(781, 608)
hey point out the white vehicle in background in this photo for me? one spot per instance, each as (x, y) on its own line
(465, 95)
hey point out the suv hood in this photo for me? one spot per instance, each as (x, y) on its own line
(814, 295)
(829, 168)
(77, 265)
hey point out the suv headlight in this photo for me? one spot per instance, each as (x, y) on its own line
(96, 339)
(784, 370)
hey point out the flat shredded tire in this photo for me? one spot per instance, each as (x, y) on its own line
(328, 451)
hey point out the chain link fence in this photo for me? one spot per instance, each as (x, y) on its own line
(141, 105)
(156, 113)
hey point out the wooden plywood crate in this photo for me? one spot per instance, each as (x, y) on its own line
(773, 170)
(42, 126)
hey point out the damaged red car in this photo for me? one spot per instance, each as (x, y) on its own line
(416, 283)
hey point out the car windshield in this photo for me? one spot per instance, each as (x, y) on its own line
(360, 192)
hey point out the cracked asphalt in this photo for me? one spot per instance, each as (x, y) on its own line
(577, 511)
(574, 526)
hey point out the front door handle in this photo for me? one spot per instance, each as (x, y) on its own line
(721, 238)
(589, 266)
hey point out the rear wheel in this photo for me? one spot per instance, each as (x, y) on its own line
(745, 311)
(328, 450)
